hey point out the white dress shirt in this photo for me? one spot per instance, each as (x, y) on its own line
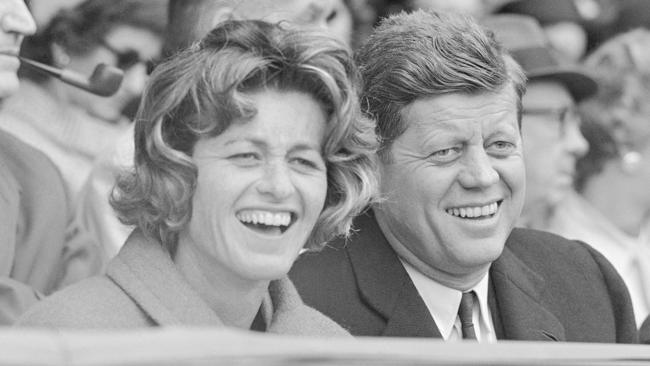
(443, 303)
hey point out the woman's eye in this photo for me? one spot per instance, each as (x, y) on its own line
(307, 163)
(248, 157)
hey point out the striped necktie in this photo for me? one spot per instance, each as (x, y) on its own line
(465, 315)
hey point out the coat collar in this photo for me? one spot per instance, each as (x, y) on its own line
(147, 274)
(519, 294)
(385, 285)
(516, 300)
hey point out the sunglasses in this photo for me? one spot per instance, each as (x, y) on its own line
(128, 58)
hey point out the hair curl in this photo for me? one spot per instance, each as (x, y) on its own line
(202, 90)
(426, 53)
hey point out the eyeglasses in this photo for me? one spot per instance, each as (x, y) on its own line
(564, 115)
(128, 58)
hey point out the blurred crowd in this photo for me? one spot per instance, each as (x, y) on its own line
(584, 125)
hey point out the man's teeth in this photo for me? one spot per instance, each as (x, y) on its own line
(265, 218)
(473, 212)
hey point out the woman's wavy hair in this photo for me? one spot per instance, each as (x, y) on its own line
(201, 91)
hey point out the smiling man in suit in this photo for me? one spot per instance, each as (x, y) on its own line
(438, 256)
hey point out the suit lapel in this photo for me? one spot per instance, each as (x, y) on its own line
(517, 304)
(384, 284)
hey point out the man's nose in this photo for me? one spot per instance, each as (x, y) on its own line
(574, 141)
(18, 19)
(477, 171)
(135, 79)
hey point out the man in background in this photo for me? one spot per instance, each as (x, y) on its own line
(41, 247)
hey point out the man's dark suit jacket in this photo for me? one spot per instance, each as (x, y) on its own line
(542, 287)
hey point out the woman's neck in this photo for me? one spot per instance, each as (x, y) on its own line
(235, 300)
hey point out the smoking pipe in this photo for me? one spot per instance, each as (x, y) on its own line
(104, 81)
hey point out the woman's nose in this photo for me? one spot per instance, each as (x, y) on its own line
(276, 182)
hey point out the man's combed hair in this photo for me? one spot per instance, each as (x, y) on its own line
(204, 89)
(423, 54)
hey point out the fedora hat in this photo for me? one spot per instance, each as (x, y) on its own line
(523, 37)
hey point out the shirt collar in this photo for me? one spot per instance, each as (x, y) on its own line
(443, 301)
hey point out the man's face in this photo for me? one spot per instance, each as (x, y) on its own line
(15, 23)
(333, 16)
(125, 47)
(454, 185)
(552, 144)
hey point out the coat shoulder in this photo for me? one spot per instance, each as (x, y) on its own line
(543, 249)
(315, 273)
(94, 303)
(574, 274)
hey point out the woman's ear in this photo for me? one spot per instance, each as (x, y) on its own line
(59, 56)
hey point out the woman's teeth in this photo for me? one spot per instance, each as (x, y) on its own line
(265, 218)
(474, 212)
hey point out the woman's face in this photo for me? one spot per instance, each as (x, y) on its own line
(15, 23)
(127, 48)
(261, 187)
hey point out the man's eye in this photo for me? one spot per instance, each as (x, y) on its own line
(502, 147)
(445, 155)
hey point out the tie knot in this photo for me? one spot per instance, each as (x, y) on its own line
(465, 315)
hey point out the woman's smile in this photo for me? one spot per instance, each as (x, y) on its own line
(266, 222)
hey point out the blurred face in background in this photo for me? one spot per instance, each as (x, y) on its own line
(15, 23)
(332, 16)
(125, 47)
(552, 144)
(631, 130)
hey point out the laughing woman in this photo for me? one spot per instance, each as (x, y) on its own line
(250, 146)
